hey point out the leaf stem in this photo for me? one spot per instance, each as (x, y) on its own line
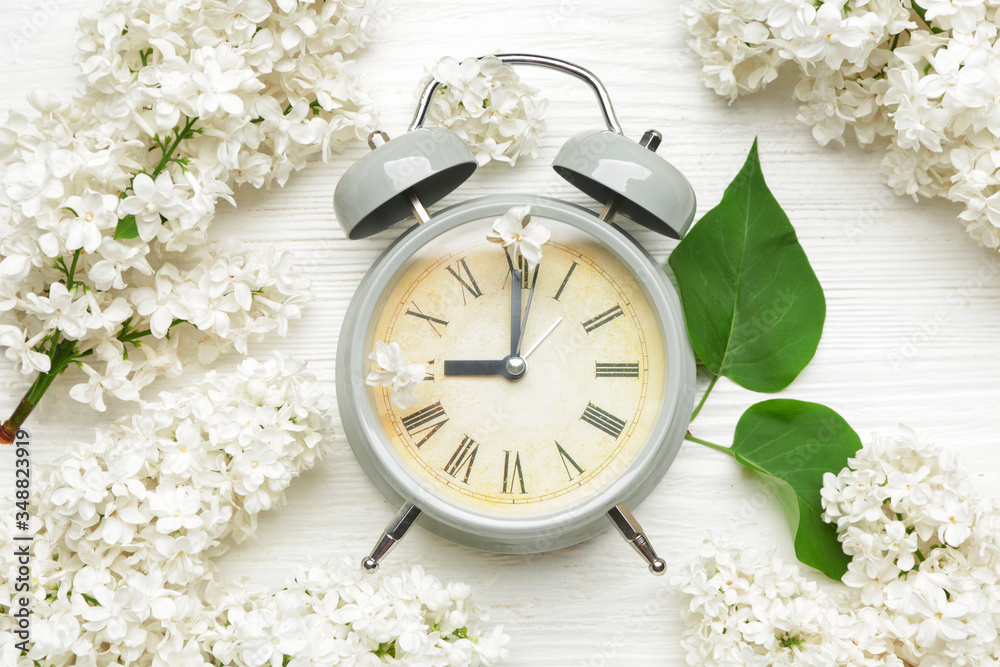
(70, 277)
(711, 385)
(127, 336)
(727, 450)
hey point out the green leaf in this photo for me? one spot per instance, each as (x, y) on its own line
(753, 305)
(922, 13)
(127, 228)
(386, 649)
(792, 444)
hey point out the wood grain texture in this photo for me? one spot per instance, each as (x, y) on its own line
(911, 333)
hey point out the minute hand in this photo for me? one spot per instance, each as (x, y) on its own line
(527, 309)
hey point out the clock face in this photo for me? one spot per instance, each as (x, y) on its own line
(583, 410)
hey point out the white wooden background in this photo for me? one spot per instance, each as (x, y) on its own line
(911, 331)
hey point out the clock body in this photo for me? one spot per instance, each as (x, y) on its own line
(534, 464)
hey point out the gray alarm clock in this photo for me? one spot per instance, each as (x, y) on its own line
(553, 395)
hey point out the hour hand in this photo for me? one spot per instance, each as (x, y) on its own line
(512, 368)
(474, 367)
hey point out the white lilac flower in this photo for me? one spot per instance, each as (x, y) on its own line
(285, 126)
(222, 78)
(165, 125)
(110, 615)
(391, 370)
(922, 587)
(924, 549)
(517, 231)
(114, 379)
(176, 508)
(871, 69)
(241, 17)
(151, 199)
(160, 303)
(123, 548)
(93, 213)
(60, 309)
(745, 607)
(485, 103)
(117, 258)
(23, 351)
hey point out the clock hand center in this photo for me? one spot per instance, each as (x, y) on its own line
(515, 366)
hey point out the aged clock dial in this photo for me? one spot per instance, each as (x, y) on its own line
(592, 388)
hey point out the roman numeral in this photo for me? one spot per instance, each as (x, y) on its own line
(565, 280)
(428, 376)
(471, 285)
(416, 312)
(427, 420)
(510, 471)
(603, 420)
(522, 266)
(568, 461)
(602, 319)
(464, 456)
(526, 279)
(617, 370)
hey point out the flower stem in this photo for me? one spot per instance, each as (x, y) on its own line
(9, 429)
(71, 277)
(711, 385)
(127, 227)
(62, 353)
(168, 151)
(727, 450)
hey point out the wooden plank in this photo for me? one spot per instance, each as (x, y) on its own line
(911, 333)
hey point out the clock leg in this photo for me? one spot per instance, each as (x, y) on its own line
(633, 534)
(394, 532)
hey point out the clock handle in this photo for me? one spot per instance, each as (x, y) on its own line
(603, 99)
(634, 535)
(394, 532)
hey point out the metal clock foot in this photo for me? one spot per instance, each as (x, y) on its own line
(633, 534)
(394, 532)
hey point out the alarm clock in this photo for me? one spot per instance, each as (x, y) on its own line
(554, 392)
